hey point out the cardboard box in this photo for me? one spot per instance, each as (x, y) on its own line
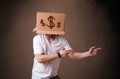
(50, 23)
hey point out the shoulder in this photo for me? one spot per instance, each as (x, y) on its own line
(62, 38)
(38, 37)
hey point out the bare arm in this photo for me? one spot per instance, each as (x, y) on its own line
(77, 55)
(42, 58)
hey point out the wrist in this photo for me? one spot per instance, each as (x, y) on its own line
(59, 55)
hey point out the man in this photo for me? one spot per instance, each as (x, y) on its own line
(49, 47)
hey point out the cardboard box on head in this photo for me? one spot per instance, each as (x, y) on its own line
(50, 23)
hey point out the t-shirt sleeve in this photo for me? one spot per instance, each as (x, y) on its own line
(66, 45)
(37, 47)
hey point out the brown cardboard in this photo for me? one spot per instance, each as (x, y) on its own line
(50, 23)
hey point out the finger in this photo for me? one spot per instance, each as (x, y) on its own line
(99, 48)
(92, 49)
(96, 50)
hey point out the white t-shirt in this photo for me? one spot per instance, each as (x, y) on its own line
(41, 45)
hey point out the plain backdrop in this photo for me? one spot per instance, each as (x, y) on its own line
(88, 23)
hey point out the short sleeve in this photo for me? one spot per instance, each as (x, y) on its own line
(37, 47)
(66, 45)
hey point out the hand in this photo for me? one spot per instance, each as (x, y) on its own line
(64, 52)
(93, 51)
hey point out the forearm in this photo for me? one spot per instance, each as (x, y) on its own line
(46, 58)
(78, 55)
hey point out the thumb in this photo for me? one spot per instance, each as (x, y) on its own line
(91, 49)
(62, 49)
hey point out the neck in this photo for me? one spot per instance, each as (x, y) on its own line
(51, 37)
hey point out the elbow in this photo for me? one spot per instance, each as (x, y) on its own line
(40, 60)
(74, 57)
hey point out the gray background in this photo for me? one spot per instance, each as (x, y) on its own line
(88, 23)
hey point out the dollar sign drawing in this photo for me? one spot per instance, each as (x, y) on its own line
(42, 22)
(51, 19)
(59, 25)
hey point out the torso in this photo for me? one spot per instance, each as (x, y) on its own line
(49, 69)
